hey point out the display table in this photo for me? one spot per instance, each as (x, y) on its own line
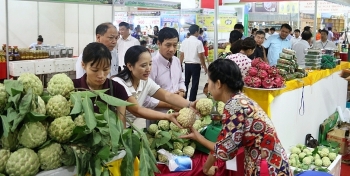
(323, 91)
(198, 161)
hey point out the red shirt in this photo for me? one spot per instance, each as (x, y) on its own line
(206, 51)
(118, 90)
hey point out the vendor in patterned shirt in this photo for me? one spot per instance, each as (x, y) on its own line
(245, 124)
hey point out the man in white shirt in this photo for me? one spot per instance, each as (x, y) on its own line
(296, 37)
(330, 34)
(324, 43)
(107, 34)
(192, 54)
(124, 42)
(301, 46)
(267, 34)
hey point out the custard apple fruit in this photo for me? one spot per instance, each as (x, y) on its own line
(186, 117)
(177, 152)
(154, 152)
(204, 106)
(174, 127)
(3, 97)
(61, 129)
(162, 158)
(57, 106)
(221, 106)
(163, 125)
(158, 135)
(148, 136)
(193, 145)
(60, 84)
(188, 151)
(80, 121)
(29, 80)
(178, 145)
(50, 156)
(197, 126)
(150, 141)
(39, 106)
(32, 134)
(152, 129)
(22, 162)
(174, 135)
(11, 141)
(4, 156)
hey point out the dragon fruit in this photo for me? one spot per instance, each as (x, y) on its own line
(267, 83)
(273, 71)
(262, 74)
(256, 82)
(256, 61)
(263, 66)
(248, 80)
(253, 71)
(278, 81)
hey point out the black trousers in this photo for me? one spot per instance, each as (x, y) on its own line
(192, 71)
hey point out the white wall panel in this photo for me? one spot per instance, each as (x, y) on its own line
(72, 27)
(51, 22)
(2, 22)
(23, 23)
(86, 26)
(102, 14)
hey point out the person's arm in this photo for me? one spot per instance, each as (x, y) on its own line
(209, 163)
(200, 49)
(264, 55)
(267, 42)
(171, 98)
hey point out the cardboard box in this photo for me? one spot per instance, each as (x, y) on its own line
(341, 136)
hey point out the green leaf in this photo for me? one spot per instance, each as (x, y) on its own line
(17, 121)
(46, 98)
(127, 165)
(5, 125)
(99, 116)
(78, 133)
(88, 94)
(35, 117)
(104, 153)
(105, 172)
(15, 100)
(145, 165)
(165, 138)
(13, 87)
(114, 101)
(132, 142)
(48, 142)
(96, 138)
(89, 114)
(25, 103)
(102, 107)
(114, 130)
(76, 100)
(11, 114)
(97, 169)
(103, 130)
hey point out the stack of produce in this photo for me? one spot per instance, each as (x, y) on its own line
(166, 134)
(328, 62)
(43, 131)
(313, 59)
(303, 158)
(288, 67)
(261, 75)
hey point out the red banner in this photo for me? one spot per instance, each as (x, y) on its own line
(209, 4)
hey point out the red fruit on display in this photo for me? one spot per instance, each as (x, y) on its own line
(248, 80)
(263, 66)
(273, 71)
(256, 82)
(267, 83)
(262, 74)
(256, 61)
(278, 81)
(253, 71)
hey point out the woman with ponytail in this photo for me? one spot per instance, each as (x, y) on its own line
(135, 79)
(39, 41)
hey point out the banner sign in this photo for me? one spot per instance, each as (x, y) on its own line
(144, 21)
(153, 4)
(175, 21)
(226, 22)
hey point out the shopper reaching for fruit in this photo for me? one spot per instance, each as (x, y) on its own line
(245, 124)
(138, 85)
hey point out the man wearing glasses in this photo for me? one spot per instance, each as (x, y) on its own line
(107, 34)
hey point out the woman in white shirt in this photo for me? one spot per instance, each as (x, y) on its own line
(138, 85)
(40, 41)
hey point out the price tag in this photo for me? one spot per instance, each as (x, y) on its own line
(232, 164)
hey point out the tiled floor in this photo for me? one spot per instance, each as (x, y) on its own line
(141, 123)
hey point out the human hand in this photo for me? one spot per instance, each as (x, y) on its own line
(345, 74)
(210, 171)
(181, 93)
(194, 135)
(172, 117)
(205, 69)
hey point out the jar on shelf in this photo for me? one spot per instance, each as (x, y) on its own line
(52, 52)
(4, 47)
(15, 50)
(70, 52)
(10, 50)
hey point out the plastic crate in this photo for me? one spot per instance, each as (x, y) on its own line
(3, 70)
(16, 68)
(64, 65)
(44, 66)
(211, 133)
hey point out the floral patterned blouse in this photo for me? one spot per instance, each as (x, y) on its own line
(243, 61)
(245, 124)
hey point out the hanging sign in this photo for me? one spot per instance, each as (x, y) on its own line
(226, 23)
(153, 4)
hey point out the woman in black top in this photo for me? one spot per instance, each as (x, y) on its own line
(155, 35)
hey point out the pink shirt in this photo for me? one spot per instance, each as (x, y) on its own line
(242, 61)
(168, 75)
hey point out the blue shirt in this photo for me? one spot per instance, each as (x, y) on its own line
(275, 45)
(182, 36)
